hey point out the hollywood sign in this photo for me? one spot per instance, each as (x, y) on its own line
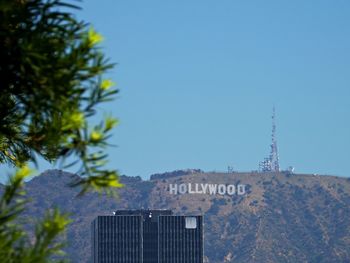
(211, 189)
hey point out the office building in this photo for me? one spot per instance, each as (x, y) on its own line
(147, 236)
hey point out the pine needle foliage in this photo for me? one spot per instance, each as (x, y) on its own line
(52, 83)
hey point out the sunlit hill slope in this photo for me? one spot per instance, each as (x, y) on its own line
(280, 218)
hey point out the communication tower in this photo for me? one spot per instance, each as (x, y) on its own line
(271, 164)
(275, 166)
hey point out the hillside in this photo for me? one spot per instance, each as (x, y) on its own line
(281, 218)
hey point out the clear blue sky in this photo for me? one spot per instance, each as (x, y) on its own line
(198, 80)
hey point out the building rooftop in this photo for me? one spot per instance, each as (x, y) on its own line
(143, 212)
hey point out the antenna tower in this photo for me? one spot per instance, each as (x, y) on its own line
(274, 159)
(271, 164)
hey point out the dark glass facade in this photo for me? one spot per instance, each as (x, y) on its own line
(147, 236)
(179, 240)
(112, 235)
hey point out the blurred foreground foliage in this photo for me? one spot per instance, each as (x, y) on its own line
(51, 77)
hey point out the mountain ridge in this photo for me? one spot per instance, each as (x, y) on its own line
(281, 218)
